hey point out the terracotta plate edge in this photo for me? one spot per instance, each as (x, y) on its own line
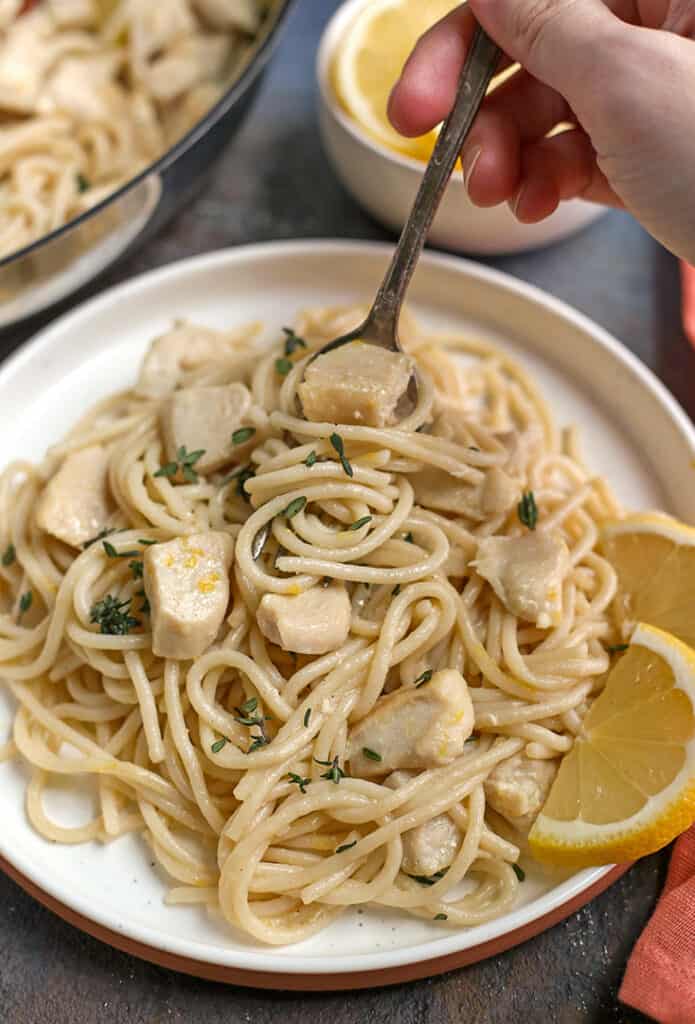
(276, 980)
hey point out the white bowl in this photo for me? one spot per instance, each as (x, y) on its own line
(385, 183)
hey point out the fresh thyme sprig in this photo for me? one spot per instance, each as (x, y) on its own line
(298, 780)
(335, 773)
(9, 555)
(183, 465)
(113, 616)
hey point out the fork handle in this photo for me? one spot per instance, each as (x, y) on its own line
(479, 68)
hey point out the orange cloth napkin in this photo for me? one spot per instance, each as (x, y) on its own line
(688, 300)
(660, 975)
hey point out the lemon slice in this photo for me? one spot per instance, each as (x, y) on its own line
(654, 557)
(369, 62)
(627, 787)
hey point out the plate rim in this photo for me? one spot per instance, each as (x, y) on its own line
(411, 961)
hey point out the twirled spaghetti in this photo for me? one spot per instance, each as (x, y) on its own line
(236, 765)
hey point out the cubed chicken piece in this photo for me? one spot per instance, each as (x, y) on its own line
(75, 505)
(185, 347)
(314, 622)
(527, 574)
(498, 493)
(152, 28)
(73, 13)
(82, 87)
(26, 54)
(435, 488)
(522, 448)
(415, 727)
(450, 422)
(518, 787)
(226, 14)
(187, 585)
(357, 383)
(430, 847)
(204, 419)
(190, 60)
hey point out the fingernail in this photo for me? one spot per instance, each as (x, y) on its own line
(469, 158)
(515, 202)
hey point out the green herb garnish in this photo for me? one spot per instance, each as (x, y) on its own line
(441, 917)
(298, 780)
(218, 744)
(145, 606)
(527, 510)
(112, 553)
(185, 461)
(292, 341)
(371, 754)
(311, 459)
(9, 555)
(243, 434)
(25, 602)
(137, 567)
(294, 507)
(246, 474)
(283, 365)
(147, 543)
(337, 442)
(359, 523)
(617, 648)
(335, 773)
(424, 678)
(99, 536)
(81, 182)
(519, 872)
(346, 846)
(246, 717)
(396, 590)
(307, 716)
(430, 879)
(113, 616)
(408, 538)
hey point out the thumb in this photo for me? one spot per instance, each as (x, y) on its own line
(555, 40)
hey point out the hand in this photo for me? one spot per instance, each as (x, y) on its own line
(622, 73)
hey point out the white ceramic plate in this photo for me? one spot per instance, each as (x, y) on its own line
(633, 431)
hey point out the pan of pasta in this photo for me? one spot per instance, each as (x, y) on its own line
(111, 112)
(320, 677)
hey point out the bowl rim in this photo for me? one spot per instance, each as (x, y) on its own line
(326, 51)
(262, 51)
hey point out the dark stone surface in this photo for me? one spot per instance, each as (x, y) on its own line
(275, 183)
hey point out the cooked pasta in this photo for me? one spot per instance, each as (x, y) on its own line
(369, 707)
(92, 91)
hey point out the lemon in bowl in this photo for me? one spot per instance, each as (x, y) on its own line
(361, 55)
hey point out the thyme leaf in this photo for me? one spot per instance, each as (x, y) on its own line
(337, 443)
(527, 510)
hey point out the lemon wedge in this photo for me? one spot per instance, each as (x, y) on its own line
(370, 59)
(654, 557)
(627, 787)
